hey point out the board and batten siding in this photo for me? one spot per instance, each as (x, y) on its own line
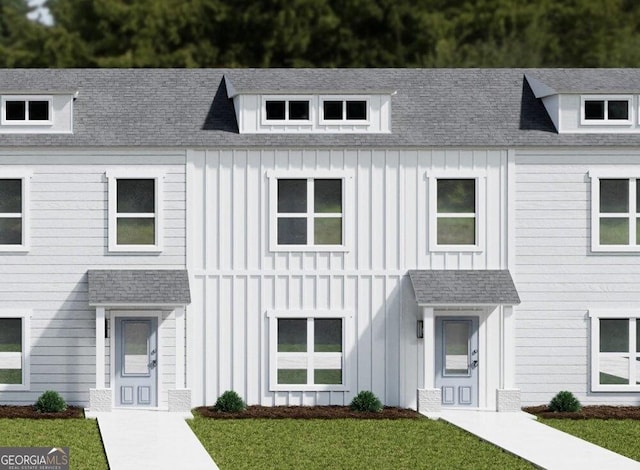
(69, 216)
(558, 277)
(235, 278)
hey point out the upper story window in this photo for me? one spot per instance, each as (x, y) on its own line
(307, 213)
(13, 213)
(456, 213)
(615, 212)
(25, 110)
(278, 110)
(134, 214)
(339, 110)
(614, 110)
(615, 350)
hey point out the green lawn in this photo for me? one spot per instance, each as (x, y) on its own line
(348, 444)
(80, 435)
(619, 435)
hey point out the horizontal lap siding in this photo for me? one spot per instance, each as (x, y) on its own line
(236, 279)
(559, 279)
(68, 215)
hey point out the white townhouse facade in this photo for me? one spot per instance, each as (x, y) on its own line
(464, 238)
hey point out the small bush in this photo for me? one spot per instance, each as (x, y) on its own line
(565, 401)
(366, 401)
(229, 402)
(51, 402)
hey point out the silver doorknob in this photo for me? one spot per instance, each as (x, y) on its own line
(154, 363)
(474, 364)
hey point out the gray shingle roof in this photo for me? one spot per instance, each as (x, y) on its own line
(128, 286)
(464, 287)
(178, 108)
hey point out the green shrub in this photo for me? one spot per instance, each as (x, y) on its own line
(565, 401)
(51, 402)
(229, 402)
(366, 401)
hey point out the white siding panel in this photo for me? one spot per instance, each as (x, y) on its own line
(68, 216)
(387, 205)
(558, 278)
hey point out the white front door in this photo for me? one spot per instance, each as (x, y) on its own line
(136, 360)
(457, 360)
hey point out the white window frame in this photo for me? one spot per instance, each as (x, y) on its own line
(480, 212)
(606, 121)
(632, 316)
(286, 120)
(310, 315)
(26, 98)
(344, 120)
(25, 215)
(347, 205)
(632, 216)
(112, 178)
(25, 315)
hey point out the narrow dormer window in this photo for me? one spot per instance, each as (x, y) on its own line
(286, 110)
(20, 110)
(343, 110)
(613, 110)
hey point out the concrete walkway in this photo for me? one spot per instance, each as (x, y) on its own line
(146, 439)
(546, 447)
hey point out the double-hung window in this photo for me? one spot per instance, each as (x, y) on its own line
(13, 213)
(456, 222)
(14, 349)
(308, 213)
(135, 222)
(615, 350)
(615, 212)
(307, 350)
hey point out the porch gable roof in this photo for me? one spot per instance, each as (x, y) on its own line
(463, 287)
(138, 287)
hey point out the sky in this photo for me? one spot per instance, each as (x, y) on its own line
(41, 14)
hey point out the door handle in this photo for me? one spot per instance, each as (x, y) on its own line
(154, 363)
(474, 364)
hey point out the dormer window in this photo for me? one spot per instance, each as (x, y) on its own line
(278, 110)
(334, 111)
(613, 110)
(23, 110)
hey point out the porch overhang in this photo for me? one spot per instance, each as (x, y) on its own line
(138, 288)
(463, 288)
(141, 292)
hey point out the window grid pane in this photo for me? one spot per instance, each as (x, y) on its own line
(594, 109)
(15, 110)
(38, 110)
(135, 196)
(299, 110)
(10, 196)
(275, 110)
(456, 231)
(11, 231)
(614, 231)
(618, 109)
(332, 110)
(136, 231)
(614, 335)
(456, 196)
(614, 196)
(357, 110)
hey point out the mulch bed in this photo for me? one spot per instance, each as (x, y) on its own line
(588, 412)
(308, 412)
(7, 411)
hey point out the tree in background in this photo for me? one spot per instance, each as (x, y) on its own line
(323, 33)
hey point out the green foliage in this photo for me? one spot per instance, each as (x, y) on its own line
(323, 33)
(51, 402)
(619, 435)
(565, 401)
(229, 402)
(366, 401)
(80, 435)
(347, 443)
